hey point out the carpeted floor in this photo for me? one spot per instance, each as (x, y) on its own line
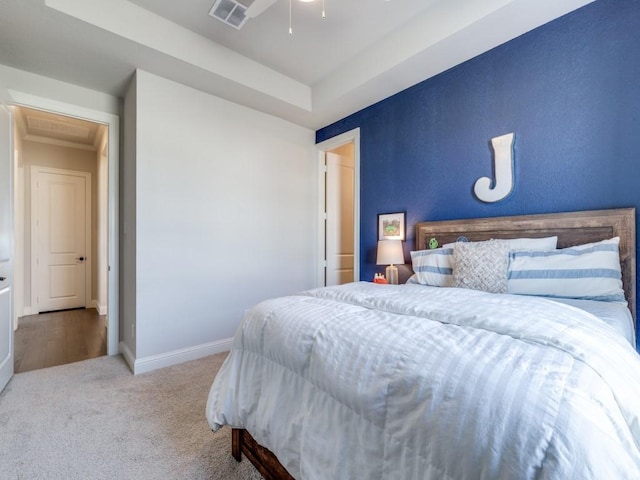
(95, 420)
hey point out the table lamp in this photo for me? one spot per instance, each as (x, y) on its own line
(390, 253)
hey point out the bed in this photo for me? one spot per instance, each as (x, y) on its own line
(418, 381)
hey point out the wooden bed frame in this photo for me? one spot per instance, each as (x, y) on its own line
(264, 461)
(573, 228)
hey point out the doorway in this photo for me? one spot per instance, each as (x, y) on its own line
(339, 209)
(62, 218)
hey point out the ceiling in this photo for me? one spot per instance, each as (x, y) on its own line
(45, 127)
(362, 52)
(317, 46)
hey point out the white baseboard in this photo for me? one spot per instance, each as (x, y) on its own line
(27, 311)
(175, 357)
(102, 309)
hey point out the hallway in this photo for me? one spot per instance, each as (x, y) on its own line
(57, 338)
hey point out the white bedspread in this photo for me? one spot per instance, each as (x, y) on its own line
(616, 315)
(366, 381)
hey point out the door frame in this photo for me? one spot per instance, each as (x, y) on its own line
(6, 364)
(322, 148)
(112, 122)
(35, 172)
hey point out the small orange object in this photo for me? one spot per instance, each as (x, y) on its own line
(379, 278)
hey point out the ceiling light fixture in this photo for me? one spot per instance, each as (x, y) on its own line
(291, 15)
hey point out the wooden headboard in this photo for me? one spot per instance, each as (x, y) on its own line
(572, 228)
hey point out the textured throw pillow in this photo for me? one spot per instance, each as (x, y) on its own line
(433, 267)
(590, 271)
(481, 265)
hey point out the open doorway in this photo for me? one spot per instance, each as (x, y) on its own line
(60, 238)
(339, 209)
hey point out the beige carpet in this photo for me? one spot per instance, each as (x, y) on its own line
(95, 420)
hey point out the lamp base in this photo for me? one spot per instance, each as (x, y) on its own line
(392, 274)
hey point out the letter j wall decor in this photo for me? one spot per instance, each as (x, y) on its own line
(503, 167)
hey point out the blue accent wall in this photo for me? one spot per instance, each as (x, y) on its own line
(569, 90)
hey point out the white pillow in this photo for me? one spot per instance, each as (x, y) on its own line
(590, 271)
(481, 265)
(546, 243)
(434, 267)
(413, 280)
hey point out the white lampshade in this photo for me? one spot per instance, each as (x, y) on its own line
(390, 252)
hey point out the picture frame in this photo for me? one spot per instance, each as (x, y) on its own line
(391, 226)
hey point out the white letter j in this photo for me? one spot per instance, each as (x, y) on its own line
(503, 158)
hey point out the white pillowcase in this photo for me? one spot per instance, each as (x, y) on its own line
(545, 243)
(590, 271)
(434, 267)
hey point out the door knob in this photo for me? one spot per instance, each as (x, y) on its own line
(2, 279)
(81, 259)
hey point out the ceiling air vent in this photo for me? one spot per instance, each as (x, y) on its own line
(230, 12)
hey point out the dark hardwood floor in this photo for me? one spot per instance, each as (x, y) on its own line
(56, 338)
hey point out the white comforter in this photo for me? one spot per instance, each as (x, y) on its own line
(367, 381)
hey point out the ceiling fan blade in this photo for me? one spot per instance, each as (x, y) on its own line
(258, 6)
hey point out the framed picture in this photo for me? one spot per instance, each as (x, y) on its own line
(391, 226)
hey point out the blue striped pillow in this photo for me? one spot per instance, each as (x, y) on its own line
(590, 271)
(434, 267)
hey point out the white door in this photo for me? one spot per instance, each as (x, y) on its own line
(62, 238)
(6, 231)
(339, 244)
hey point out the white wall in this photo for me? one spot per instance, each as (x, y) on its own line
(225, 206)
(127, 278)
(224, 200)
